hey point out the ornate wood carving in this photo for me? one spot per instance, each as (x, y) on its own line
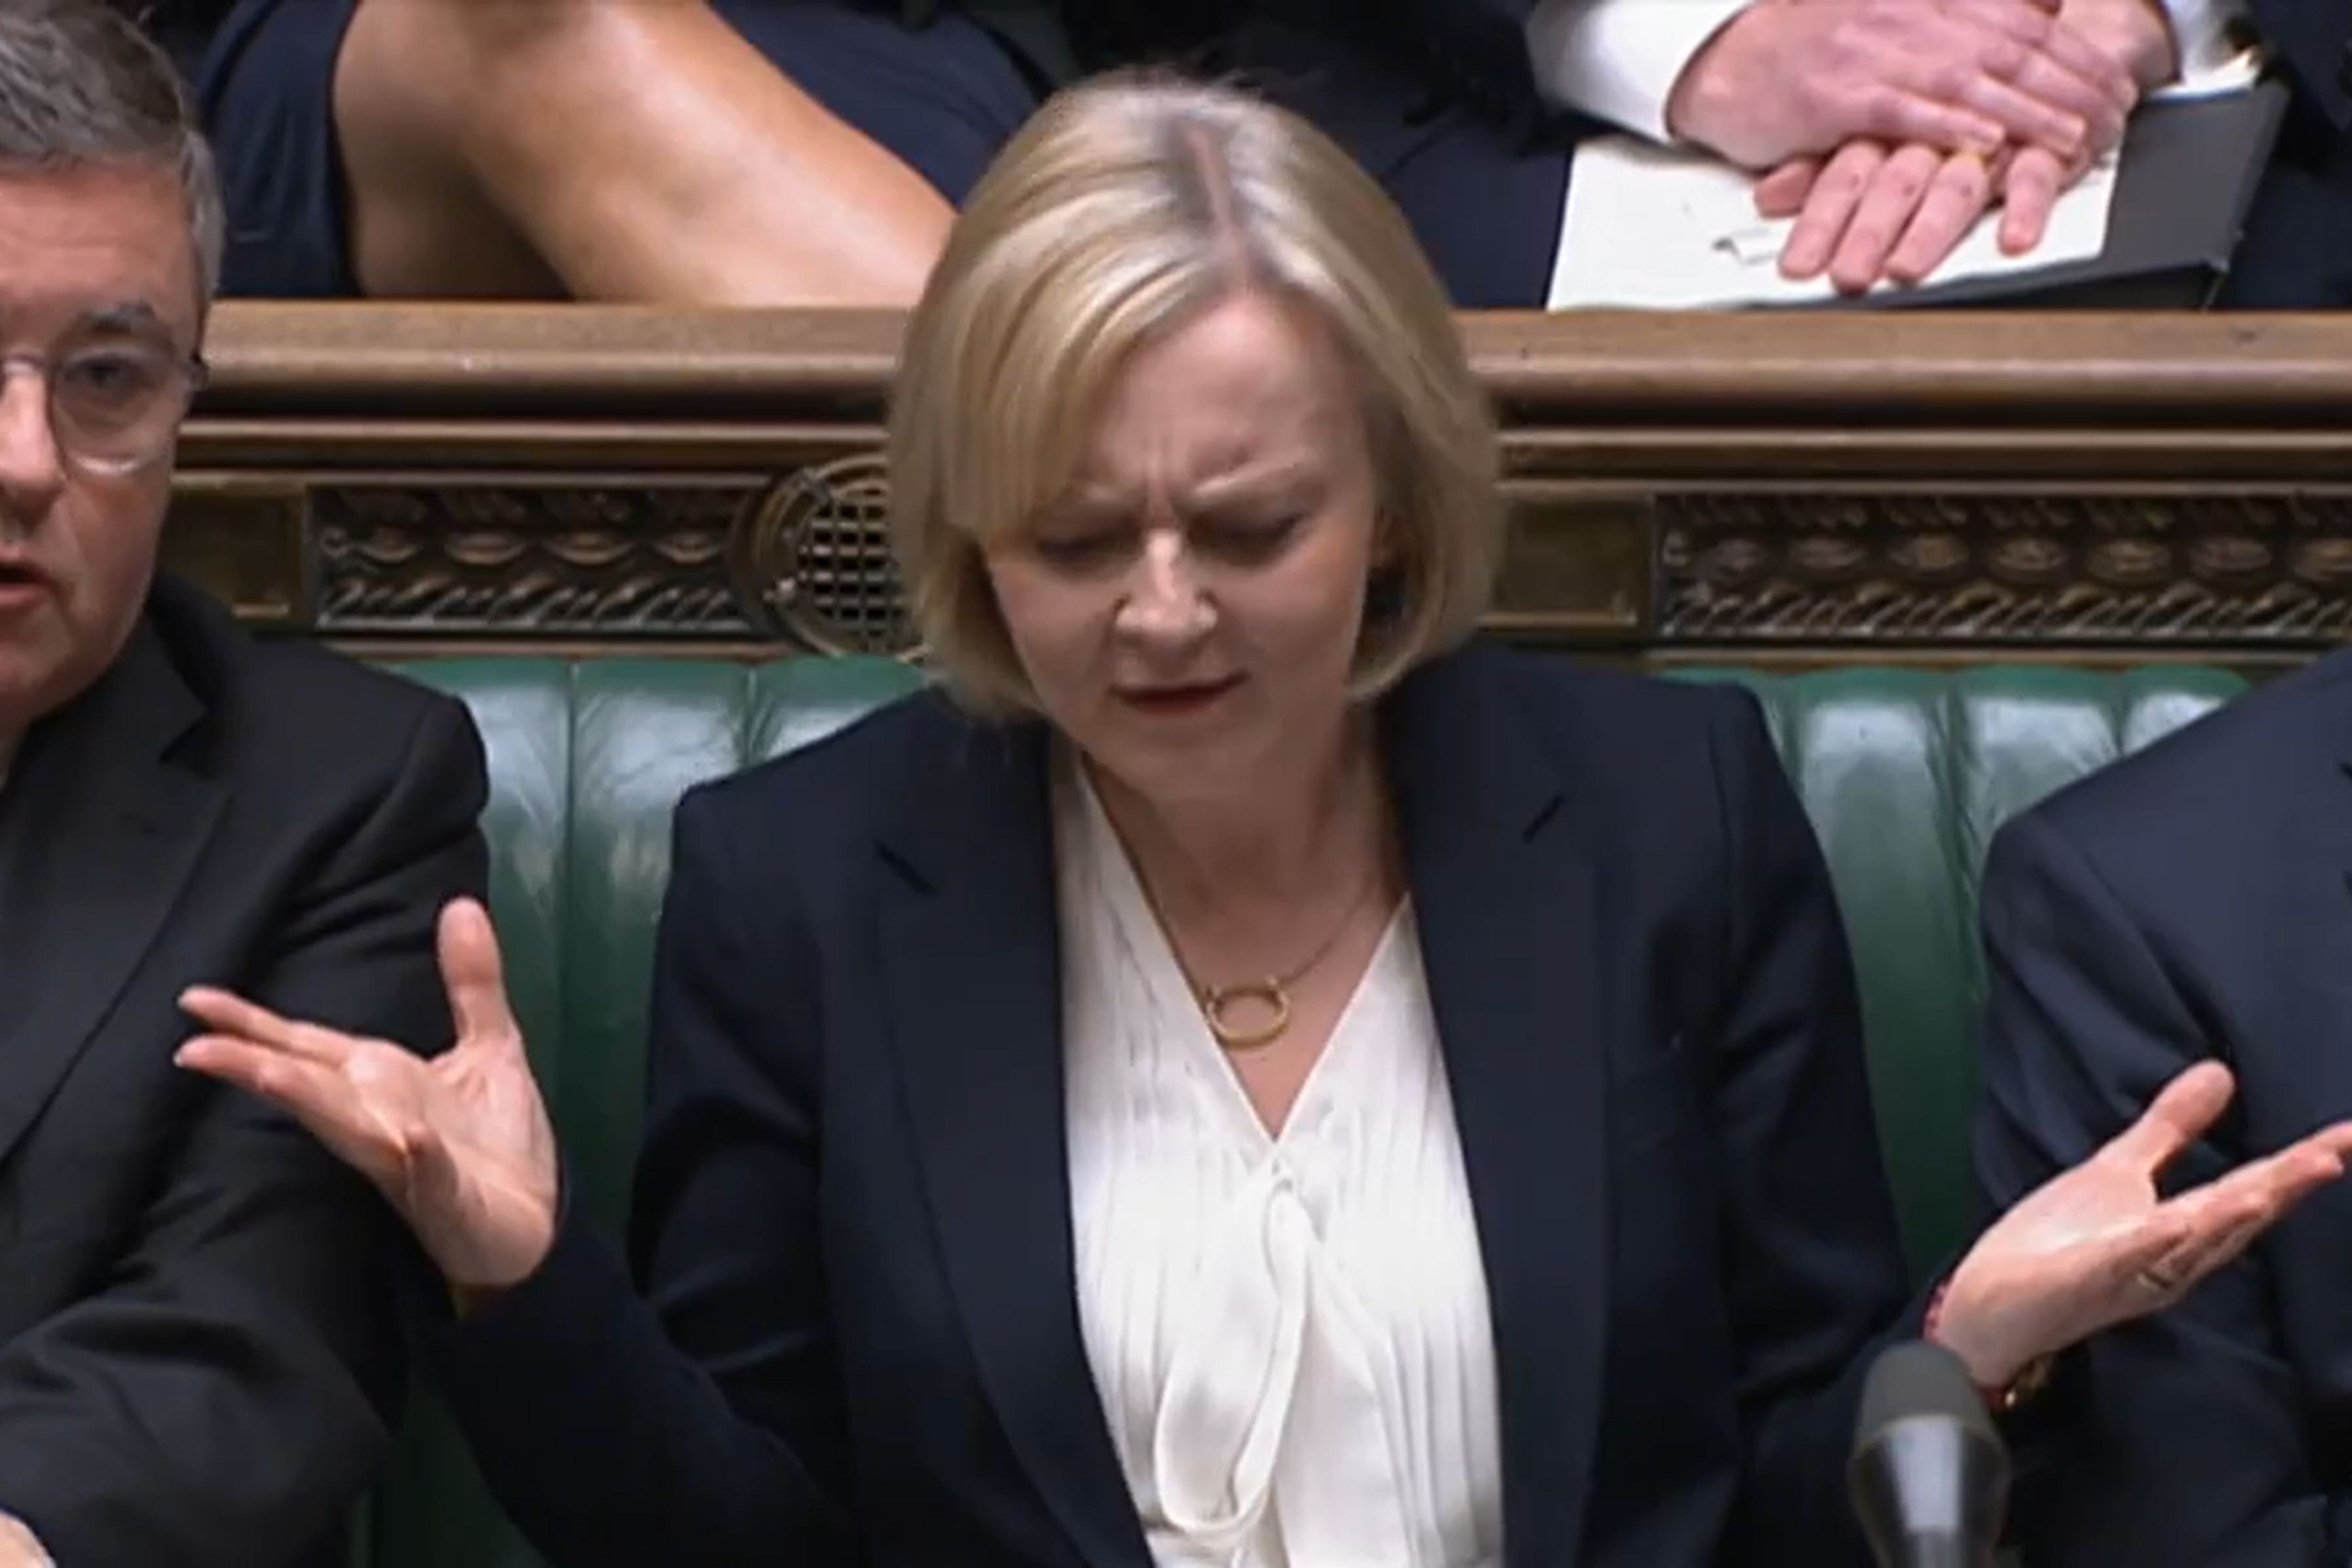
(1987, 568)
(529, 559)
(1831, 487)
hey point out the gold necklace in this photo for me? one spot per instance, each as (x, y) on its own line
(1273, 989)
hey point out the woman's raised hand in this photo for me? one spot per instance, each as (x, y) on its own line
(460, 1143)
(2097, 1245)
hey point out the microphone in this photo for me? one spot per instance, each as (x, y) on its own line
(1929, 1474)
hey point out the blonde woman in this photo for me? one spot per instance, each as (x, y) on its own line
(1246, 1073)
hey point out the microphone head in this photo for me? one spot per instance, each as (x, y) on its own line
(1918, 1377)
(1929, 1473)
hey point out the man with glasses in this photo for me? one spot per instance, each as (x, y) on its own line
(198, 1341)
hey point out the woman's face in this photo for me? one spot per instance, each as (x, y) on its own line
(1188, 613)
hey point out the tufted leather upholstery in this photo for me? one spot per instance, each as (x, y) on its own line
(1905, 775)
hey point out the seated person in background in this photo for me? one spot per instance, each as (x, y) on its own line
(2297, 249)
(1877, 208)
(1469, 111)
(1248, 1077)
(197, 1355)
(808, 150)
(601, 149)
(2189, 905)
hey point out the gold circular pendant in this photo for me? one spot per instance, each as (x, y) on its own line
(1217, 998)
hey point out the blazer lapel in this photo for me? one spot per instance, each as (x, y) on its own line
(99, 830)
(971, 950)
(1504, 898)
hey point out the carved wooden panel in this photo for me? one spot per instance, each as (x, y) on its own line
(1850, 486)
(527, 559)
(1992, 568)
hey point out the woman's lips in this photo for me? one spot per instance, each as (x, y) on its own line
(1177, 701)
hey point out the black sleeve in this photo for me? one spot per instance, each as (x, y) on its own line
(221, 1395)
(1815, 1264)
(2180, 1438)
(702, 1422)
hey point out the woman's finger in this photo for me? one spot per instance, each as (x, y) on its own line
(2221, 1219)
(2185, 1267)
(2277, 1182)
(314, 1095)
(2126, 1274)
(2181, 1114)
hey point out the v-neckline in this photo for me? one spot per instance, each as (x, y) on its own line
(1147, 946)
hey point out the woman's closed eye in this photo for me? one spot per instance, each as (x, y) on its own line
(1246, 539)
(1081, 549)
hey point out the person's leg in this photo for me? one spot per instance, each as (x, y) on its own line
(945, 98)
(655, 152)
(261, 83)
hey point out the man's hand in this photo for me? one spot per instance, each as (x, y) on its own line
(1868, 213)
(1792, 77)
(2135, 33)
(19, 1549)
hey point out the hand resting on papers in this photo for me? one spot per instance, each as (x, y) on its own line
(1793, 78)
(1868, 211)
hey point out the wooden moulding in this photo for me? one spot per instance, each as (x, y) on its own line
(1774, 488)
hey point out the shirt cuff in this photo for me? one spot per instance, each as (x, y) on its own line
(2202, 29)
(1619, 60)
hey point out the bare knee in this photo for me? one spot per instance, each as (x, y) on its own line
(417, 221)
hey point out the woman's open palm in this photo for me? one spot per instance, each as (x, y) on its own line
(2099, 1244)
(460, 1143)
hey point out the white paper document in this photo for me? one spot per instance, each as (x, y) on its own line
(1650, 228)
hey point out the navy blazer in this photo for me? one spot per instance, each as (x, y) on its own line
(857, 1339)
(2191, 902)
(2296, 249)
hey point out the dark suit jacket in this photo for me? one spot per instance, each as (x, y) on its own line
(2191, 902)
(858, 1339)
(196, 1357)
(2298, 249)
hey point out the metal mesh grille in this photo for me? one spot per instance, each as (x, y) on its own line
(835, 585)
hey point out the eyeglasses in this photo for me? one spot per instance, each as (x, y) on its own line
(114, 407)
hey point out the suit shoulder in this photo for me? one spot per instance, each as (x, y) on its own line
(1599, 713)
(293, 700)
(2258, 751)
(841, 777)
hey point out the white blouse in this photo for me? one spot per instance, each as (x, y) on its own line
(1288, 1331)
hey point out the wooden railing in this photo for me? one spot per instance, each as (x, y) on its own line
(1777, 488)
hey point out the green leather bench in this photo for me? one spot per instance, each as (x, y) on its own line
(1905, 773)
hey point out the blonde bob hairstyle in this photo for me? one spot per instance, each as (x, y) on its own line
(1122, 210)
